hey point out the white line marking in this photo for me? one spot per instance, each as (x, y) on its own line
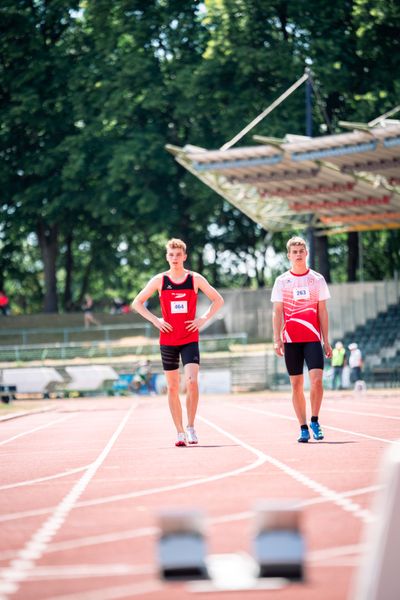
(42, 479)
(320, 489)
(361, 413)
(20, 567)
(338, 551)
(114, 593)
(117, 536)
(89, 570)
(350, 494)
(140, 493)
(35, 429)
(270, 413)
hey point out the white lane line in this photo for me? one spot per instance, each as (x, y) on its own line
(81, 571)
(322, 490)
(361, 413)
(270, 413)
(149, 491)
(140, 493)
(114, 593)
(371, 489)
(335, 552)
(14, 437)
(42, 479)
(20, 567)
(118, 536)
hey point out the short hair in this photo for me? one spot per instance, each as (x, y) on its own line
(295, 241)
(174, 243)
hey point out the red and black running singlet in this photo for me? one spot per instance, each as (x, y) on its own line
(178, 304)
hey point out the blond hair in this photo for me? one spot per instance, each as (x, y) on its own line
(295, 241)
(174, 243)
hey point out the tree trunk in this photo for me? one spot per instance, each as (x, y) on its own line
(69, 265)
(352, 256)
(48, 242)
(321, 247)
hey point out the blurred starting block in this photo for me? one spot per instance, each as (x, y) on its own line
(279, 547)
(181, 547)
(379, 574)
(278, 555)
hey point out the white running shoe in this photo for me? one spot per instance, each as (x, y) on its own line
(181, 441)
(191, 435)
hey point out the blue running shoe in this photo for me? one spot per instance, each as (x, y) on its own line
(318, 434)
(304, 436)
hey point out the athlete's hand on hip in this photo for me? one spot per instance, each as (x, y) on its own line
(196, 324)
(279, 348)
(163, 325)
(328, 350)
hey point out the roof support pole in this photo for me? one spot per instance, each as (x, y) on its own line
(266, 112)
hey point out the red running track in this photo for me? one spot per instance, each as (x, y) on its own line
(81, 487)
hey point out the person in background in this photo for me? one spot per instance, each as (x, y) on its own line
(355, 362)
(87, 307)
(4, 304)
(337, 363)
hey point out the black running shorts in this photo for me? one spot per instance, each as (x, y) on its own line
(189, 353)
(298, 352)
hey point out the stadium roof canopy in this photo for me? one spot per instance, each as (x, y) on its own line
(335, 183)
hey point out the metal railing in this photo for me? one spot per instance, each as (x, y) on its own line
(65, 334)
(107, 348)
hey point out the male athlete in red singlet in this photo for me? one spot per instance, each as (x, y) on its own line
(179, 331)
(300, 320)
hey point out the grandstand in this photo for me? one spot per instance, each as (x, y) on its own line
(379, 341)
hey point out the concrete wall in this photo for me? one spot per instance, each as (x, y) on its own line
(351, 304)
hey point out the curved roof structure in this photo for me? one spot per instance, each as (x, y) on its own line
(336, 183)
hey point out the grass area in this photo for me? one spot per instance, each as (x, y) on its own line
(18, 406)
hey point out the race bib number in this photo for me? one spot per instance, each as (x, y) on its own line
(301, 293)
(179, 306)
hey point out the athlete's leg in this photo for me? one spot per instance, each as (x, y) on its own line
(314, 358)
(170, 361)
(298, 398)
(316, 391)
(294, 359)
(192, 391)
(174, 402)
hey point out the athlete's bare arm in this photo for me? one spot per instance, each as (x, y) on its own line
(138, 304)
(324, 323)
(217, 302)
(277, 326)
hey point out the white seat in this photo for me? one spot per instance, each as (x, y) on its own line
(31, 379)
(89, 377)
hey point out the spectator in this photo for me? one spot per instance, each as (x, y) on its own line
(4, 304)
(87, 308)
(126, 308)
(142, 378)
(355, 362)
(338, 362)
(117, 306)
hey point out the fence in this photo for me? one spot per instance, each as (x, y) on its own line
(107, 348)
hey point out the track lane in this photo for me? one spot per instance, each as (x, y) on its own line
(228, 528)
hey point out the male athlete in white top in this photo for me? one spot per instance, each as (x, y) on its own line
(300, 324)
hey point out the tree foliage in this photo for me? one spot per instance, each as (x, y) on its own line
(90, 94)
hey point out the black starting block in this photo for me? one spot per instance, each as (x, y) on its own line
(181, 547)
(278, 544)
(7, 393)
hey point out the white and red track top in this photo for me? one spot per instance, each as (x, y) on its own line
(300, 295)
